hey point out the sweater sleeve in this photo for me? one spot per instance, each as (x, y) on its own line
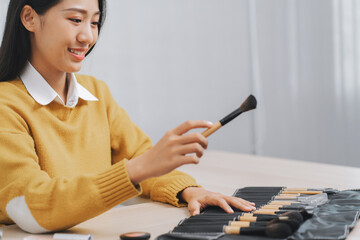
(38, 203)
(129, 141)
(166, 188)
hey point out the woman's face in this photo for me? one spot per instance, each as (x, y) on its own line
(64, 34)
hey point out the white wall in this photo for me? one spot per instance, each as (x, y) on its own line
(167, 61)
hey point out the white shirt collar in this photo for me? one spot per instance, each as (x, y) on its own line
(44, 94)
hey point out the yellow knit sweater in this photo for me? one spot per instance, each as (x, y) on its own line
(60, 166)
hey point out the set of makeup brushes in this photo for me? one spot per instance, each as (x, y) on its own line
(279, 226)
(280, 213)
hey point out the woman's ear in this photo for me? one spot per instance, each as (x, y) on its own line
(29, 18)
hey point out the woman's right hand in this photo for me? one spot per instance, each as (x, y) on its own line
(175, 148)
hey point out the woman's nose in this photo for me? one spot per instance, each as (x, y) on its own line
(87, 34)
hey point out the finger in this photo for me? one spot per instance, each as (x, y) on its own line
(194, 138)
(241, 204)
(245, 201)
(194, 208)
(191, 124)
(224, 205)
(188, 159)
(192, 148)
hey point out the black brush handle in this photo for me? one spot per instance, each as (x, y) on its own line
(231, 116)
(254, 230)
(265, 217)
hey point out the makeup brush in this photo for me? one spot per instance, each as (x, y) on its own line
(267, 212)
(278, 230)
(247, 105)
(299, 191)
(242, 219)
(247, 224)
(254, 228)
(309, 190)
(293, 218)
(311, 200)
(293, 223)
(278, 202)
(305, 214)
(273, 229)
(291, 215)
(270, 211)
(286, 207)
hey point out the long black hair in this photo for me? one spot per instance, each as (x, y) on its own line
(15, 48)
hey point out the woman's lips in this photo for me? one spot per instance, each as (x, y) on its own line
(78, 53)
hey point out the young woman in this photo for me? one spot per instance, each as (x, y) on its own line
(68, 151)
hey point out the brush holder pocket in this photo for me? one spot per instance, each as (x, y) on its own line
(200, 228)
(316, 229)
(337, 209)
(190, 236)
(201, 219)
(347, 196)
(194, 222)
(346, 218)
(205, 223)
(334, 220)
(327, 226)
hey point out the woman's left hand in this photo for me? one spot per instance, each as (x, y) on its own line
(198, 198)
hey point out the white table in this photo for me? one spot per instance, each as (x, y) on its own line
(218, 171)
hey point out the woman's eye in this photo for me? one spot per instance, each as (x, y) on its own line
(75, 20)
(95, 23)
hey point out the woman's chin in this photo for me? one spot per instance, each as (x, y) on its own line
(74, 68)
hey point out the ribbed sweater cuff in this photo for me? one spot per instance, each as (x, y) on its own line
(115, 185)
(176, 186)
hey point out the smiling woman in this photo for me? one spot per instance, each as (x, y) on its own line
(15, 48)
(68, 151)
(60, 38)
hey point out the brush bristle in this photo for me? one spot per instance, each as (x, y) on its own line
(291, 222)
(249, 104)
(305, 214)
(294, 215)
(278, 230)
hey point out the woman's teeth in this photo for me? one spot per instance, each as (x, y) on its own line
(76, 52)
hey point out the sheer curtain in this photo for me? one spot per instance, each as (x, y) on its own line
(346, 19)
(308, 60)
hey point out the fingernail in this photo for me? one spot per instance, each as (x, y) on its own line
(250, 208)
(210, 123)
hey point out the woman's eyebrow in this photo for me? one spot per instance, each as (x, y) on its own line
(80, 10)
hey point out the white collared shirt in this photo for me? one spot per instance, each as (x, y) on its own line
(44, 94)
